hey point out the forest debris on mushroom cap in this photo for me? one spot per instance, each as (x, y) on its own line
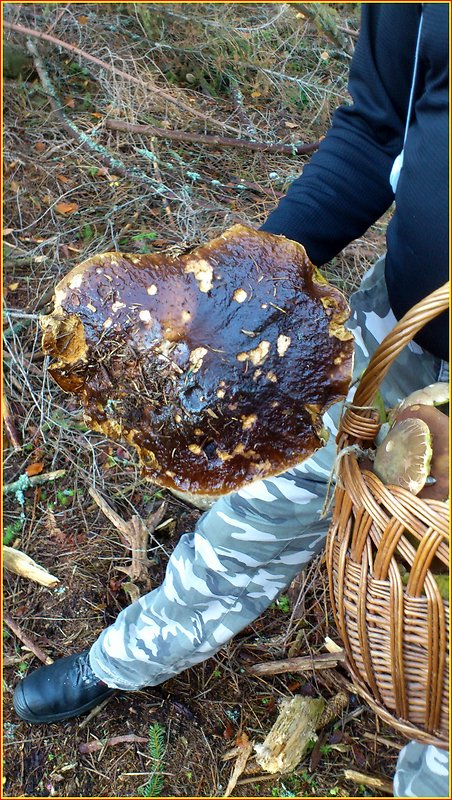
(216, 364)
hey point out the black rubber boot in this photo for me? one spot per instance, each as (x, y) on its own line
(59, 691)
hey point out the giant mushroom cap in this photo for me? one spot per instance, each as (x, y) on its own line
(216, 364)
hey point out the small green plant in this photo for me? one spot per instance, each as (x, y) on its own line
(87, 233)
(149, 236)
(156, 745)
(12, 530)
(64, 496)
(282, 604)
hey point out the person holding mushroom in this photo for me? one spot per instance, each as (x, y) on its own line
(266, 453)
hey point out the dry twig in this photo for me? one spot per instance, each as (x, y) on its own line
(212, 141)
(10, 427)
(25, 639)
(301, 664)
(100, 744)
(24, 482)
(374, 781)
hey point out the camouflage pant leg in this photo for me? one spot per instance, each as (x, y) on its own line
(422, 771)
(250, 545)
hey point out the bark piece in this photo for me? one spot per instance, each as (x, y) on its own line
(286, 743)
(216, 363)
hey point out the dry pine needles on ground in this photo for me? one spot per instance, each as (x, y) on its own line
(80, 178)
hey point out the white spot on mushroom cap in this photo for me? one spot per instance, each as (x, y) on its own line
(186, 316)
(152, 289)
(60, 294)
(145, 315)
(196, 358)
(248, 421)
(282, 344)
(108, 322)
(91, 307)
(239, 295)
(203, 272)
(76, 281)
(117, 305)
(257, 355)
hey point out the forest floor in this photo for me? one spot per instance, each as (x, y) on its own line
(74, 187)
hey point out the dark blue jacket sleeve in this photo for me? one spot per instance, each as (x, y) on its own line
(345, 186)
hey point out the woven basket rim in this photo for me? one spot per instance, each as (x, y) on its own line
(390, 514)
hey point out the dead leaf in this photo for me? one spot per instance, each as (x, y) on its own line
(132, 590)
(14, 186)
(228, 732)
(53, 529)
(63, 178)
(40, 147)
(291, 124)
(82, 19)
(34, 469)
(256, 94)
(96, 115)
(7, 231)
(66, 208)
(69, 102)
(324, 55)
(13, 286)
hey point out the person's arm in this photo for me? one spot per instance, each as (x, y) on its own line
(345, 187)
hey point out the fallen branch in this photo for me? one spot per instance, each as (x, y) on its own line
(99, 744)
(85, 141)
(211, 141)
(24, 482)
(10, 427)
(301, 664)
(119, 72)
(25, 639)
(23, 565)
(375, 781)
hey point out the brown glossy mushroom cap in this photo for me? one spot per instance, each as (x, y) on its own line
(216, 364)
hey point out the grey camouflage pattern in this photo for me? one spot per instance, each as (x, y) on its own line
(249, 546)
(422, 771)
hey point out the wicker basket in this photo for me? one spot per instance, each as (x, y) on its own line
(395, 636)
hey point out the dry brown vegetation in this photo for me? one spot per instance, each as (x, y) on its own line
(73, 186)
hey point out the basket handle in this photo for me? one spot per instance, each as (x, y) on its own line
(402, 333)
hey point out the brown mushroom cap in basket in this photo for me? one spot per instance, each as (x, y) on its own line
(216, 364)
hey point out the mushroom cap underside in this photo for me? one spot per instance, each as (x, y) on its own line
(216, 364)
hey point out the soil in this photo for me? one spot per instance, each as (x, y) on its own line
(63, 202)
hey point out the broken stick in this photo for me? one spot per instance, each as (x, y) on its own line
(299, 664)
(25, 639)
(21, 564)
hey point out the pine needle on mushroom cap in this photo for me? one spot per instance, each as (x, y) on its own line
(216, 364)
